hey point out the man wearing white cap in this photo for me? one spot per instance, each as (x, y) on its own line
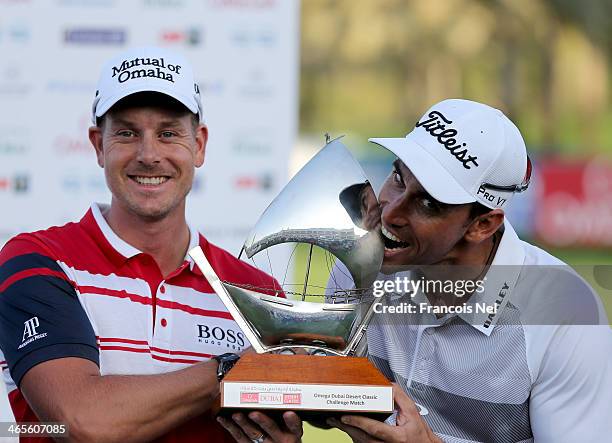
(536, 364)
(106, 325)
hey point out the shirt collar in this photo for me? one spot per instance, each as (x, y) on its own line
(194, 240)
(120, 245)
(124, 248)
(499, 283)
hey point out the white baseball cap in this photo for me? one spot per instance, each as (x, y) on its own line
(147, 69)
(462, 151)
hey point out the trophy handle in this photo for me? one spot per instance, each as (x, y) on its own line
(202, 262)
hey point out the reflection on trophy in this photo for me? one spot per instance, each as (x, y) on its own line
(328, 204)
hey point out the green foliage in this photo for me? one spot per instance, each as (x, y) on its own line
(371, 67)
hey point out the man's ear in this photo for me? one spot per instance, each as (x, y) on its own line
(201, 140)
(484, 226)
(95, 137)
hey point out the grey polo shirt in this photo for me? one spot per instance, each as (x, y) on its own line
(539, 369)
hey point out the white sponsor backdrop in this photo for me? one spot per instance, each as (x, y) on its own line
(245, 56)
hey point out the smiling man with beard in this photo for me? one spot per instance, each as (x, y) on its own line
(537, 366)
(106, 325)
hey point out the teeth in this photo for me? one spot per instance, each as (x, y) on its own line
(400, 243)
(150, 180)
(389, 235)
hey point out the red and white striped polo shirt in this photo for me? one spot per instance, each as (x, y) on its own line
(80, 290)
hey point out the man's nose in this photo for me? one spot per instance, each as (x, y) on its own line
(394, 212)
(148, 150)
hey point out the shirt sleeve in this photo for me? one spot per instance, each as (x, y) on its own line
(41, 317)
(571, 397)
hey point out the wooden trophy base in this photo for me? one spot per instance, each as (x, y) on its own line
(313, 386)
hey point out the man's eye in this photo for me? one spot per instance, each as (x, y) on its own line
(429, 204)
(126, 133)
(397, 178)
(167, 134)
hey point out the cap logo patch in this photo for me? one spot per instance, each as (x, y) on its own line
(491, 198)
(436, 126)
(162, 70)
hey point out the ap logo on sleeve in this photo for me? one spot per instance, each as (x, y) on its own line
(30, 333)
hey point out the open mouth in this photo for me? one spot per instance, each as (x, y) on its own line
(391, 241)
(149, 181)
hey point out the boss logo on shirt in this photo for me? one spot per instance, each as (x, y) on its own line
(219, 336)
(30, 332)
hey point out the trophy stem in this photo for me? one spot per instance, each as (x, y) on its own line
(307, 273)
(352, 346)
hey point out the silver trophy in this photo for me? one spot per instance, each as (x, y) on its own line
(329, 203)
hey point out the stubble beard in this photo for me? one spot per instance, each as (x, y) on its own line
(142, 211)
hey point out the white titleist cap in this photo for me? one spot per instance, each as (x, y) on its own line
(147, 69)
(462, 151)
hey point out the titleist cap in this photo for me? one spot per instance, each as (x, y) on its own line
(462, 151)
(147, 69)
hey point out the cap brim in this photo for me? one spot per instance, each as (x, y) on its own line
(436, 180)
(105, 105)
